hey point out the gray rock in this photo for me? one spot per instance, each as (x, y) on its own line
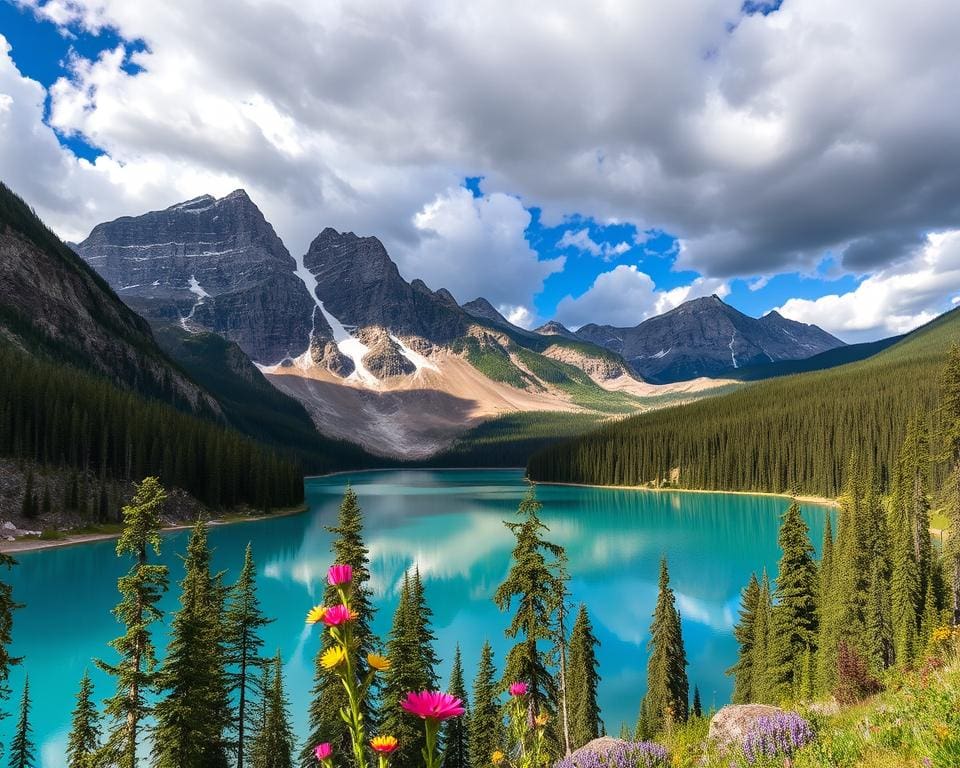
(731, 724)
(706, 337)
(8, 526)
(553, 328)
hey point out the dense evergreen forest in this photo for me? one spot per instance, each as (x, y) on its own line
(792, 433)
(55, 415)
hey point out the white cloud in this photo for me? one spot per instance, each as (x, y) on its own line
(521, 316)
(625, 297)
(475, 246)
(892, 301)
(581, 241)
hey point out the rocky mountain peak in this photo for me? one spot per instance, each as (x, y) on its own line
(483, 309)
(555, 328)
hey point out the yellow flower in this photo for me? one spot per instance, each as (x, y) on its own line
(333, 657)
(941, 730)
(384, 744)
(378, 662)
(316, 614)
(940, 634)
(541, 719)
(497, 757)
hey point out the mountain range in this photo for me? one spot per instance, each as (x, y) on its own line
(394, 365)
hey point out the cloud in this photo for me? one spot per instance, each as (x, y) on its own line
(581, 241)
(522, 316)
(476, 246)
(625, 297)
(892, 301)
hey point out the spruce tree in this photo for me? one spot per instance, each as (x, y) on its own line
(950, 418)
(697, 709)
(21, 746)
(194, 712)
(84, 739)
(328, 695)
(826, 612)
(273, 742)
(743, 631)
(794, 619)
(667, 697)
(531, 584)
(456, 733)
(760, 679)
(582, 682)
(485, 722)
(7, 607)
(141, 589)
(243, 621)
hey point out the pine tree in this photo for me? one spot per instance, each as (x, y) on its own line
(410, 670)
(243, 621)
(531, 583)
(84, 739)
(457, 734)
(141, 589)
(794, 618)
(21, 746)
(667, 696)
(425, 638)
(328, 694)
(485, 723)
(273, 743)
(743, 631)
(760, 678)
(559, 654)
(194, 712)
(583, 680)
(697, 709)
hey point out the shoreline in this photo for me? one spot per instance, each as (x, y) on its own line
(820, 500)
(34, 544)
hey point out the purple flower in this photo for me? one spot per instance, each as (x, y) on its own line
(776, 736)
(636, 754)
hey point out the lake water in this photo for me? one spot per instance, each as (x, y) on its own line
(450, 524)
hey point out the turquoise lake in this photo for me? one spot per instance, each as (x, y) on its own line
(450, 524)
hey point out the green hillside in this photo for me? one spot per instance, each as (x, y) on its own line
(851, 353)
(785, 433)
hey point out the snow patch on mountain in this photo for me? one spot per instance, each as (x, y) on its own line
(419, 361)
(196, 289)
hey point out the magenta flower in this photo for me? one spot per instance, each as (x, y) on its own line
(518, 689)
(340, 574)
(433, 705)
(323, 751)
(337, 615)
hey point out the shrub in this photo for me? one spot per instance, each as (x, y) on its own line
(854, 681)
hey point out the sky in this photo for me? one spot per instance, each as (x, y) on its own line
(598, 161)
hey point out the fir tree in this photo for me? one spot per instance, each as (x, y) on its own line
(794, 618)
(7, 607)
(21, 746)
(697, 709)
(667, 696)
(950, 417)
(456, 733)
(760, 679)
(562, 578)
(273, 744)
(141, 589)
(243, 621)
(743, 631)
(583, 680)
(328, 695)
(531, 583)
(425, 638)
(194, 712)
(485, 723)
(84, 739)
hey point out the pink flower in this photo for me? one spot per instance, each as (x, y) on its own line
(432, 705)
(323, 751)
(518, 689)
(337, 615)
(340, 574)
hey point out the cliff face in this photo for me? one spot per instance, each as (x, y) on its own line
(210, 265)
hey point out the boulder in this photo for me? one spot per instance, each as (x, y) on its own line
(8, 526)
(731, 723)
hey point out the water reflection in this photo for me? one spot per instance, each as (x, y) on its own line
(449, 524)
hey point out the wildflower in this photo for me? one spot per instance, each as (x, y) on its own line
(385, 744)
(497, 757)
(942, 731)
(316, 614)
(541, 719)
(323, 751)
(378, 662)
(432, 705)
(778, 735)
(338, 575)
(518, 689)
(333, 657)
(337, 615)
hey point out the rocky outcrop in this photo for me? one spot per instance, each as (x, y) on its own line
(553, 328)
(706, 337)
(599, 367)
(730, 725)
(385, 358)
(602, 746)
(213, 265)
(483, 309)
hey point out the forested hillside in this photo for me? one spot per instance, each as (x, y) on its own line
(795, 432)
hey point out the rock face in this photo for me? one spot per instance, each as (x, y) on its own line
(706, 337)
(732, 723)
(359, 284)
(484, 310)
(553, 328)
(213, 265)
